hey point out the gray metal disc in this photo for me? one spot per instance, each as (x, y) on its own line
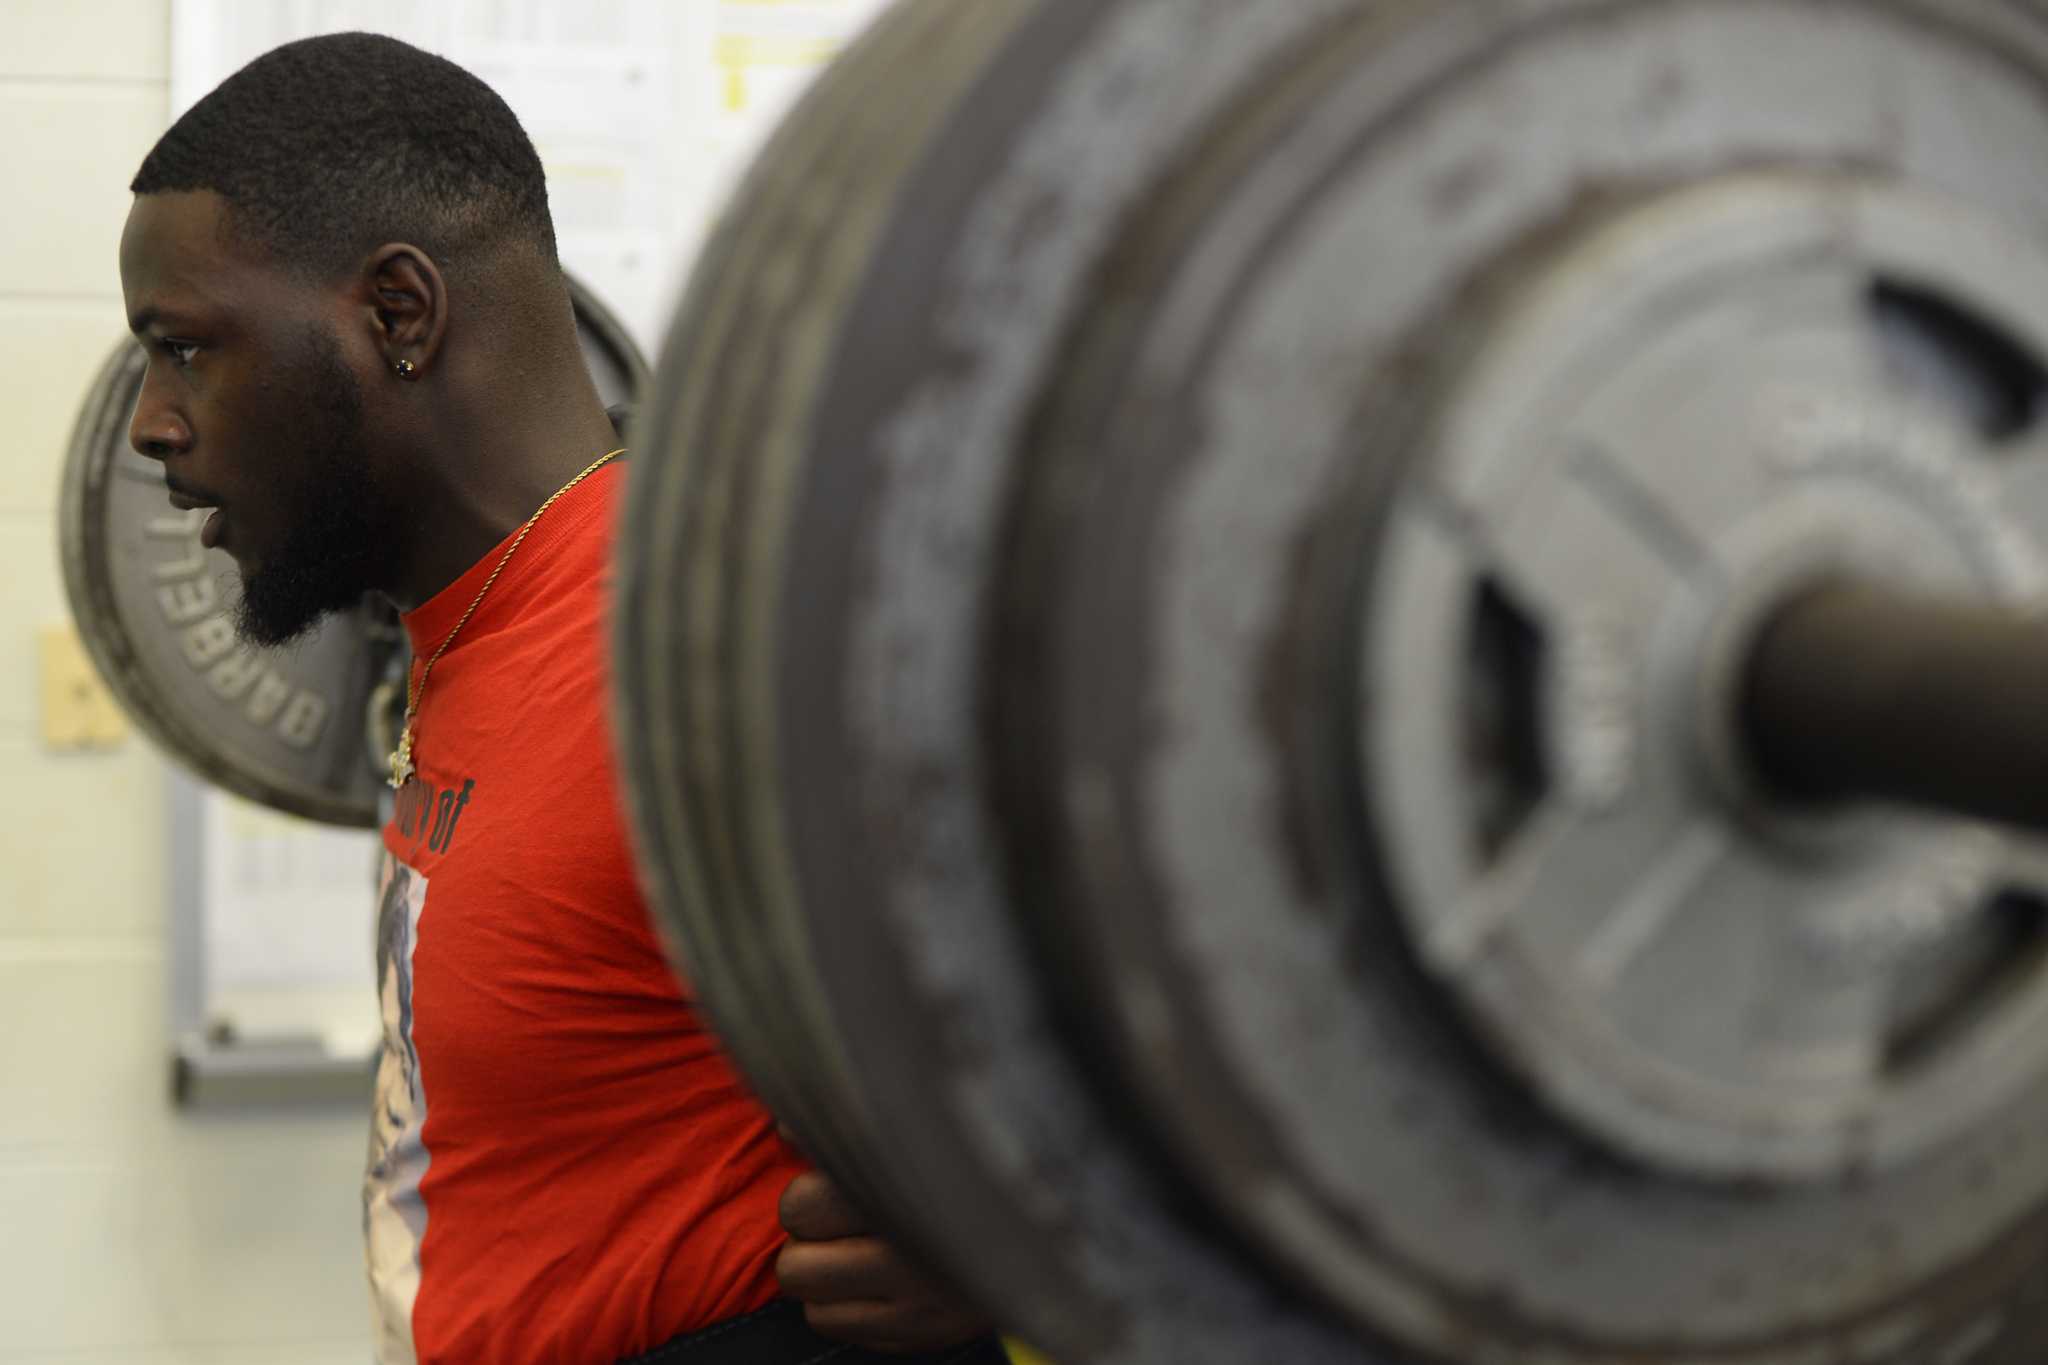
(283, 727)
(1235, 694)
(1701, 405)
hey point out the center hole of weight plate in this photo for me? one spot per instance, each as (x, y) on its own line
(1966, 979)
(1501, 707)
(1949, 351)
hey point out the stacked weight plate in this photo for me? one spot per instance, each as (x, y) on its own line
(289, 728)
(1185, 608)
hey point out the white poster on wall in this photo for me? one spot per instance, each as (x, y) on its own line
(644, 112)
(287, 911)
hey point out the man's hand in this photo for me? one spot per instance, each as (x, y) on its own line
(853, 1285)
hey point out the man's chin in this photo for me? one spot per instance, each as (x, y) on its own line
(271, 614)
(270, 632)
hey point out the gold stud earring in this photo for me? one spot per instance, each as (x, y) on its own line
(407, 370)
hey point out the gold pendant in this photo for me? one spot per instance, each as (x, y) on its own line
(401, 759)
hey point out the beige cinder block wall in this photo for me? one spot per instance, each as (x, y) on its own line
(128, 1232)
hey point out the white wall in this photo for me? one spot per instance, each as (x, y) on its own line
(128, 1233)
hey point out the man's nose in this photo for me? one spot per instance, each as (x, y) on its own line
(156, 430)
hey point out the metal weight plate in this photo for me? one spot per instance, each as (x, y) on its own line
(1378, 578)
(1172, 622)
(282, 727)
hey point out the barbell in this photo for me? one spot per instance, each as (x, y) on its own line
(1341, 681)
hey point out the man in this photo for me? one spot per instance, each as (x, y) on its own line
(362, 357)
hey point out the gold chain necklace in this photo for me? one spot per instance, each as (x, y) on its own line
(401, 757)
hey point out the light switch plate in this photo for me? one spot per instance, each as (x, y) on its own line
(79, 713)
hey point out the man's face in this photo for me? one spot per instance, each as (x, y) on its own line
(251, 405)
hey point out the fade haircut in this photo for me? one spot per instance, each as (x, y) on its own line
(329, 147)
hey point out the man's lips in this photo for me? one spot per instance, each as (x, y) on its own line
(186, 500)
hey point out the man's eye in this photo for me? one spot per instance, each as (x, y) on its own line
(181, 352)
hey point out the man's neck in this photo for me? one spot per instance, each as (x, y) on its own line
(494, 475)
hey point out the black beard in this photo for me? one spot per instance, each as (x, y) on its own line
(328, 557)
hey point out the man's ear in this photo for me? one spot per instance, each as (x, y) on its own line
(406, 301)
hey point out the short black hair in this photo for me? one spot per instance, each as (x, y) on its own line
(328, 147)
